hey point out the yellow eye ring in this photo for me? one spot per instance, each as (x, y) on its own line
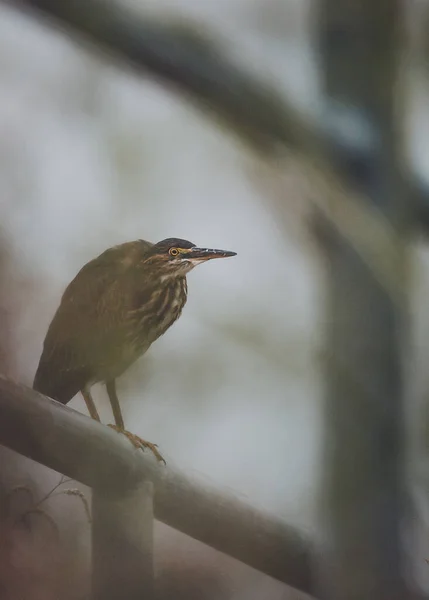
(173, 252)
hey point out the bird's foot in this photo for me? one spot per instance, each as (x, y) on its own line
(138, 442)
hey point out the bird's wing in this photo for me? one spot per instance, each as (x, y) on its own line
(88, 322)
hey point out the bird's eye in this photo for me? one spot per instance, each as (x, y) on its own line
(173, 252)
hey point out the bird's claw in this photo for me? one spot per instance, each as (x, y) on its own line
(138, 442)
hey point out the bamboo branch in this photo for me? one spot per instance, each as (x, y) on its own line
(87, 451)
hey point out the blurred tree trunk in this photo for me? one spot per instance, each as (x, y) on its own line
(367, 333)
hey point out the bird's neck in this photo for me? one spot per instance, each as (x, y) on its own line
(164, 306)
(172, 281)
(172, 278)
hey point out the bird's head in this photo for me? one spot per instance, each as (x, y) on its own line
(176, 257)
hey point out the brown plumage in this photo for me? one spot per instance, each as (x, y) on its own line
(113, 310)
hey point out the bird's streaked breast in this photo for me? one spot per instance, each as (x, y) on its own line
(158, 312)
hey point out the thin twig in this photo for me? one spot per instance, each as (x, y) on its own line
(42, 513)
(81, 495)
(62, 481)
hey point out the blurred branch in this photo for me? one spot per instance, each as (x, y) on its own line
(258, 114)
(365, 491)
(183, 57)
(89, 452)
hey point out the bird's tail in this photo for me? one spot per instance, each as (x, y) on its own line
(61, 386)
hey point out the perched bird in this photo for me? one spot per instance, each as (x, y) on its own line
(113, 310)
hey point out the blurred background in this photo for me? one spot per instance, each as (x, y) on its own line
(92, 155)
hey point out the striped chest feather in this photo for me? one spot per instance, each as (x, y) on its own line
(156, 310)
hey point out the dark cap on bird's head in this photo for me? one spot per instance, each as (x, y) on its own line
(180, 256)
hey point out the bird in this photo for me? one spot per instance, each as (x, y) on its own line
(118, 304)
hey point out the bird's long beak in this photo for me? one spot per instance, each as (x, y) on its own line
(203, 254)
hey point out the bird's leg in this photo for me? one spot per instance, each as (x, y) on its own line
(114, 403)
(137, 441)
(90, 404)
